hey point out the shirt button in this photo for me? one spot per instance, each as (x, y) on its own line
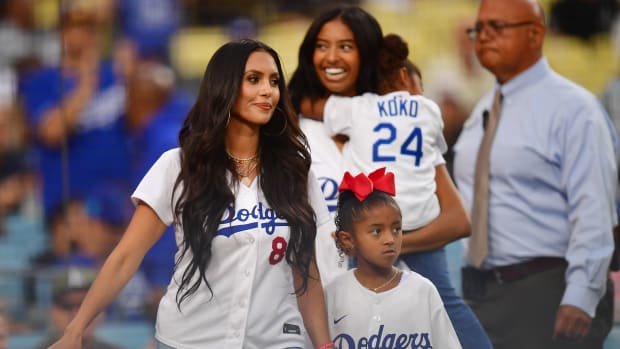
(247, 272)
(377, 318)
(251, 239)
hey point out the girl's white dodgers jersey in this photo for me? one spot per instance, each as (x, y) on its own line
(411, 315)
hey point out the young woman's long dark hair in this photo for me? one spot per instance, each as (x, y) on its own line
(368, 38)
(202, 183)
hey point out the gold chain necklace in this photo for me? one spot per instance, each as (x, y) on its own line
(243, 167)
(376, 289)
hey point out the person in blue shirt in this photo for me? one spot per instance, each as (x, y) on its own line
(75, 113)
(156, 109)
(82, 234)
(149, 26)
(543, 282)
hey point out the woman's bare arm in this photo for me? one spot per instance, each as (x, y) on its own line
(143, 231)
(452, 223)
(312, 306)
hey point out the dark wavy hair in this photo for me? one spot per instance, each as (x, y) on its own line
(392, 57)
(205, 193)
(368, 38)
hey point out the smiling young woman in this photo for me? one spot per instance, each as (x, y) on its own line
(336, 58)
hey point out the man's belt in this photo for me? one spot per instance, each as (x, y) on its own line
(518, 271)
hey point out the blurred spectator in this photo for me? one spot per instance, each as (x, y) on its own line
(155, 113)
(242, 28)
(16, 184)
(86, 230)
(74, 111)
(59, 223)
(83, 233)
(149, 26)
(69, 287)
(456, 82)
(24, 47)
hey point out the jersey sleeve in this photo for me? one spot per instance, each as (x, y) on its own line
(337, 115)
(433, 109)
(439, 160)
(155, 188)
(327, 255)
(443, 333)
(317, 201)
(333, 291)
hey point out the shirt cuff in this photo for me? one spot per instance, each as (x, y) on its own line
(583, 298)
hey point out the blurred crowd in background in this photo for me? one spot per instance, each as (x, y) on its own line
(93, 91)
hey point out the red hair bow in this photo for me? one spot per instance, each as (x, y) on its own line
(362, 185)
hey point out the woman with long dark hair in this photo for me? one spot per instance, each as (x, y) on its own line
(338, 55)
(245, 208)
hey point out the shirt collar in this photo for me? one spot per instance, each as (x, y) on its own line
(525, 78)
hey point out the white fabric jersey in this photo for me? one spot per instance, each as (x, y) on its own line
(327, 166)
(253, 303)
(411, 315)
(400, 131)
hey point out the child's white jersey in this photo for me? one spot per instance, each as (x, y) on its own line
(411, 315)
(253, 304)
(327, 166)
(400, 131)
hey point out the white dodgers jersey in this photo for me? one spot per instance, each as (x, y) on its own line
(411, 315)
(327, 166)
(252, 304)
(400, 131)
